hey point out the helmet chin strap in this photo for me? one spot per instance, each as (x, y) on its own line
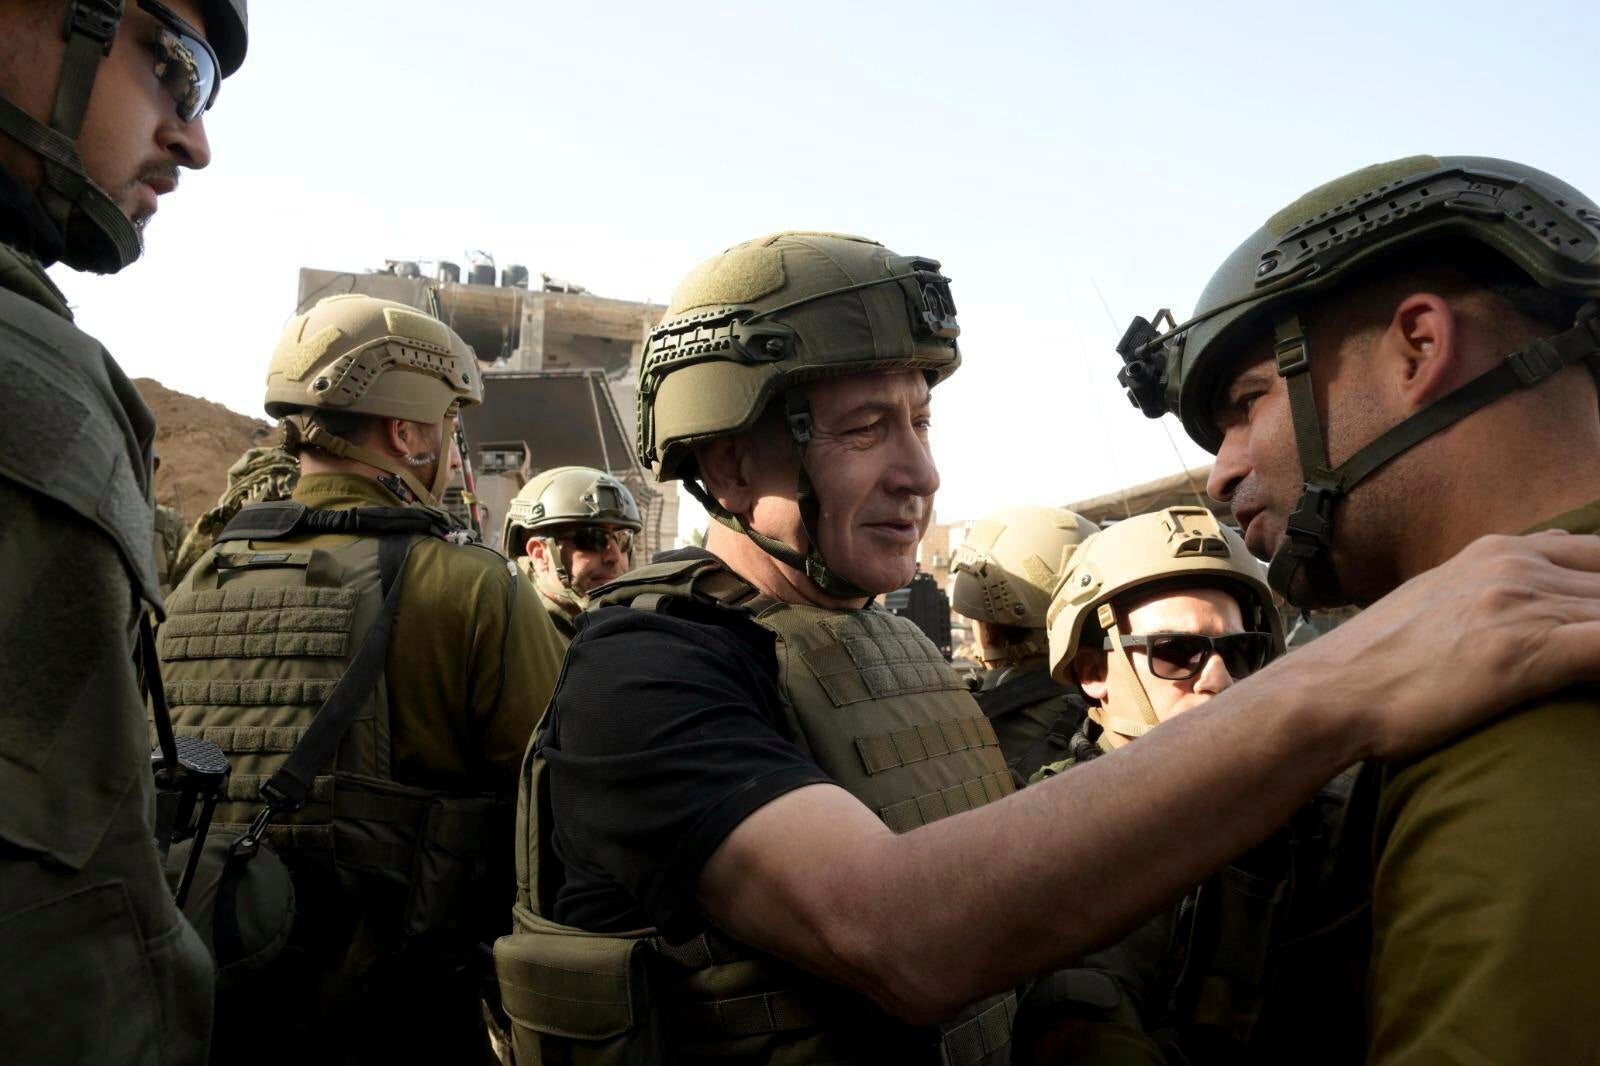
(1117, 659)
(797, 417)
(1016, 653)
(97, 236)
(570, 594)
(313, 434)
(1308, 541)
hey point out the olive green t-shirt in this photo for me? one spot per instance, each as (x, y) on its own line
(1486, 928)
(472, 658)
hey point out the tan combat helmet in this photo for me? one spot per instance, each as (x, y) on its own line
(360, 355)
(1005, 570)
(567, 495)
(1184, 546)
(747, 326)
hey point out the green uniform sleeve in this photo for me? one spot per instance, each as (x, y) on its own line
(472, 663)
(530, 661)
(1486, 944)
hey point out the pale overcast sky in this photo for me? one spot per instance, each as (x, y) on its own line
(1071, 164)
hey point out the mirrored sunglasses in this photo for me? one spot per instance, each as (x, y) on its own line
(185, 63)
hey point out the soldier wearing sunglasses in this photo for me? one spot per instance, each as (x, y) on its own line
(1154, 617)
(101, 105)
(571, 530)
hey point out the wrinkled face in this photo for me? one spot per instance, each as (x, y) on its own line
(1211, 612)
(870, 463)
(588, 568)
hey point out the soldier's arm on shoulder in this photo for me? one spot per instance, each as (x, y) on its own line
(1486, 941)
(517, 655)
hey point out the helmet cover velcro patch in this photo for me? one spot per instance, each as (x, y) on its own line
(739, 275)
(294, 358)
(1332, 194)
(413, 326)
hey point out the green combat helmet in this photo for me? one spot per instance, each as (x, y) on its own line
(747, 326)
(96, 234)
(356, 354)
(567, 495)
(1544, 226)
(1181, 546)
(1007, 566)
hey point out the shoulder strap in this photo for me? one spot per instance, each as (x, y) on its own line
(1019, 692)
(288, 787)
(688, 573)
(283, 519)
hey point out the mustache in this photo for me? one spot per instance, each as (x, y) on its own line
(1247, 496)
(155, 172)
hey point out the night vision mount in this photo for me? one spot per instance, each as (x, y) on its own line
(1143, 348)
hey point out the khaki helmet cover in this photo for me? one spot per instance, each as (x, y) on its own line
(747, 326)
(361, 355)
(1005, 569)
(1174, 547)
(564, 495)
(569, 494)
(1542, 225)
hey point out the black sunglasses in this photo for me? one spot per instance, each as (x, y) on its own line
(185, 63)
(595, 538)
(1180, 656)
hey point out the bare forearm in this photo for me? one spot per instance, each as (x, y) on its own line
(1028, 884)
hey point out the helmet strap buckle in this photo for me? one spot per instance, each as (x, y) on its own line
(96, 21)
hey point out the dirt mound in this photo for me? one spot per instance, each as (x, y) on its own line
(197, 441)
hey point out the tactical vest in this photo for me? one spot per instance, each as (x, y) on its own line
(1265, 962)
(1033, 716)
(257, 637)
(872, 701)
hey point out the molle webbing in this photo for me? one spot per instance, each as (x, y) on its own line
(242, 623)
(874, 659)
(880, 711)
(1022, 691)
(954, 799)
(889, 750)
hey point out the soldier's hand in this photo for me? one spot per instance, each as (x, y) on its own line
(1506, 620)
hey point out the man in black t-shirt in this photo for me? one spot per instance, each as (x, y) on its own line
(775, 807)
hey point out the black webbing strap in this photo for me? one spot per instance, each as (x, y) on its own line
(284, 519)
(150, 681)
(1292, 358)
(1520, 370)
(1058, 739)
(288, 788)
(1019, 692)
(1310, 526)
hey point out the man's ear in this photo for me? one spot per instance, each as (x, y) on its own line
(1422, 349)
(722, 471)
(393, 437)
(535, 549)
(1090, 667)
